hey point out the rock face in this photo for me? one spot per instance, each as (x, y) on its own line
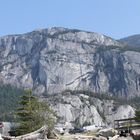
(83, 110)
(7, 127)
(55, 59)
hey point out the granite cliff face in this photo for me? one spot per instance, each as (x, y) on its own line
(55, 59)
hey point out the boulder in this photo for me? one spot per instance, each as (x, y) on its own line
(110, 132)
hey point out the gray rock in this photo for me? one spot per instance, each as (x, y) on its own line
(55, 59)
(107, 132)
(83, 110)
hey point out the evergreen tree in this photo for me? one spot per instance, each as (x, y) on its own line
(9, 97)
(33, 114)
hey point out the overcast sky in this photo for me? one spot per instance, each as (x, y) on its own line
(115, 18)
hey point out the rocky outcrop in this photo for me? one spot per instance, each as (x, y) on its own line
(82, 110)
(55, 59)
(7, 127)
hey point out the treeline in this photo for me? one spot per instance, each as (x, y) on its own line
(9, 97)
(135, 101)
(122, 49)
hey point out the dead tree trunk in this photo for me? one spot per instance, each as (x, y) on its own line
(38, 134)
